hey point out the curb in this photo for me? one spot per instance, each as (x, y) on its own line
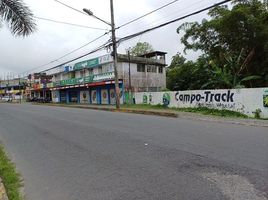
(3, 194)
(123, 110)
(218, 120)
(162, 114)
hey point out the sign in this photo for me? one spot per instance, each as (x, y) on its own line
(104, 96)
(94, 96)
(246, 100)
(112, 96)
(166, 99)
(84, 96)
(87, 64)
(265, 99)
(68, 68)
(207, 96)
(103, 76)
(105, 59)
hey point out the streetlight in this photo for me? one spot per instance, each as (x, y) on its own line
(114, 54)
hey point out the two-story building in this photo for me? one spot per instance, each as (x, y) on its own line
(92, 81)
(37, 86)
(13, 88)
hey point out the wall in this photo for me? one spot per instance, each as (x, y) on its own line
(242, 100)
(141, 81)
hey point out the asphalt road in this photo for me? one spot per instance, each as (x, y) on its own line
(76, 154)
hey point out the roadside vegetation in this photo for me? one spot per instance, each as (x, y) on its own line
(10, 178)
(233, 44)
(201, 110)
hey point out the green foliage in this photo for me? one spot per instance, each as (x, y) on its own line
(187, 75)
(141, 48)
(235, 43)
(177, 60)
(18, 16)
(10, 177)
(201, 110)
(215, 112)
(265, 101)
(257, 113)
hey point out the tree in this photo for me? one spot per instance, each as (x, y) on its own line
(18, 17)
(141, 48)
(240, 32)
(187, 75)
(177, 60)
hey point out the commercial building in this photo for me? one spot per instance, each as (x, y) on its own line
(13, 89)
(37, 86)
(92, 81)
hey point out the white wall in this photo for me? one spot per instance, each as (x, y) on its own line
(245, 101)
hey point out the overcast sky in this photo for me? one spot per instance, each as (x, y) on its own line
(52, 40)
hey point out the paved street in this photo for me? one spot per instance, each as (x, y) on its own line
(76, 154)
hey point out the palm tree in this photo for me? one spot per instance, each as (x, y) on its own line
(18, 17)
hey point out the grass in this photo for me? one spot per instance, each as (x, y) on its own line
(201, 110)
(11, 179)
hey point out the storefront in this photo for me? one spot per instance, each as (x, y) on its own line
(95, 93)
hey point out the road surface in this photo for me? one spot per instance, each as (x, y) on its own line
(76, 154)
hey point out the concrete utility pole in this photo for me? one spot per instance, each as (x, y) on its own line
(114, 54)
(129, 78)
(117, 90)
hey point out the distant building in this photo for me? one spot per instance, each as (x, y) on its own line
(37, 86)
(13, 88)
(92, 81)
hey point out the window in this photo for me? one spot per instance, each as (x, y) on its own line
(81, 73)
(140, 68)
(99, 70)
(90, 71)
(160, 70)
(151, 68)
(71, 75)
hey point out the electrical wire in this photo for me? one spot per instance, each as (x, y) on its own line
(129, 36)
(67, 23)
(71, 7)
(168, 17)
(136, 19)
(74, 59)
(56, 60)
(172, 21)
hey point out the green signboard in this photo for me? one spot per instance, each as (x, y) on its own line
(86, 64)
(87, 79)
(77, 81)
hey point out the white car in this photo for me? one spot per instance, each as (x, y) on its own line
(6, 98)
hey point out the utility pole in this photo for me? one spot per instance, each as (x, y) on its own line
(114, 54)
(129, 78)
(20, 89)
(117, 90)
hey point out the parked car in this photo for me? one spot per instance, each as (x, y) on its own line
(6, 98)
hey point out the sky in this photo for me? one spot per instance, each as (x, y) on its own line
(21, 56)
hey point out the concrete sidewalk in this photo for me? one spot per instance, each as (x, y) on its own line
(167, 113)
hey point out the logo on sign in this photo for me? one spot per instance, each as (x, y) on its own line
(208, 96)
(166, 99)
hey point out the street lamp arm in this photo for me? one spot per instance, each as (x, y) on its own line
(90, 13)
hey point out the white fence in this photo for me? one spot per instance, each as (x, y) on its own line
(246, 101)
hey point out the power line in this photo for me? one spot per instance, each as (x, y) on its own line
(136, 19)
(132, 35)
(172, 21)
(91, 52)
(71, 7)
(168, 17)
(67, 23)
(55, 60)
